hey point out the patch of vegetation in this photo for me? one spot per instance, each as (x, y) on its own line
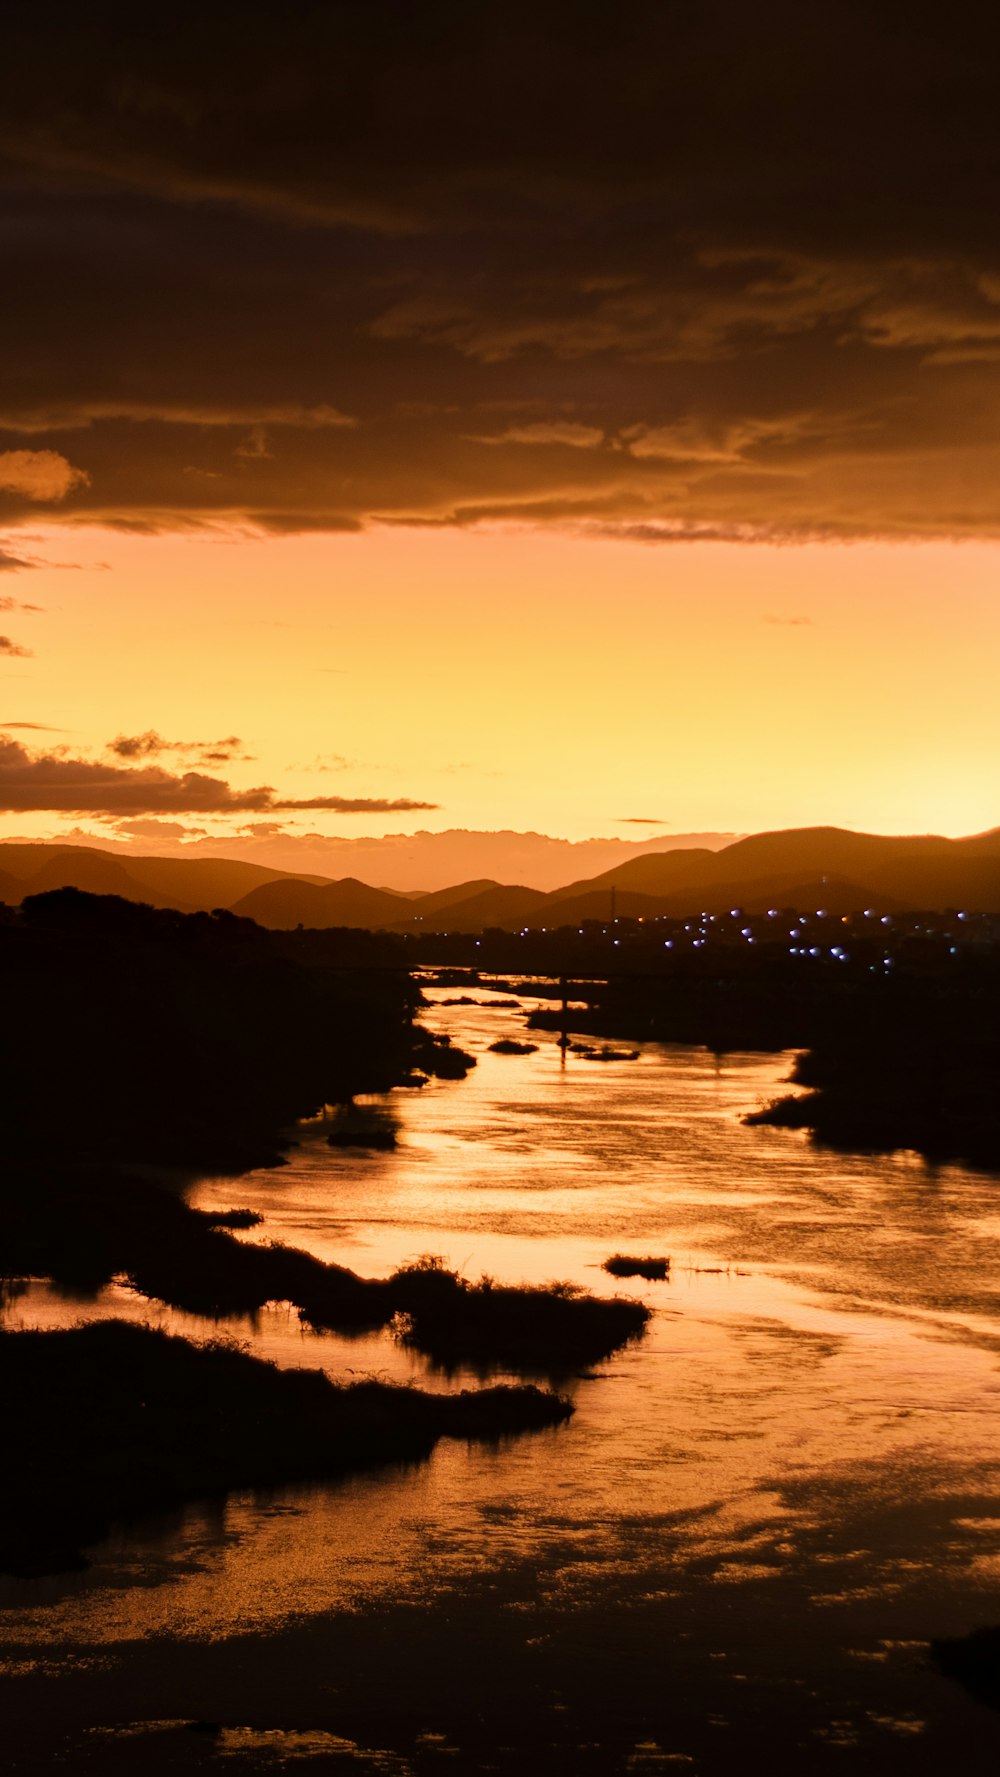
(229, 1218)
(510, 1046)
(654, 1270)
(121, 1421)
(550, 1330)
(82, 1232)
(910, 1075)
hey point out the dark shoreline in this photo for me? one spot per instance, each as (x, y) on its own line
(905, 1059)
(123, 1421)
(177, 1045)
(83, 1228)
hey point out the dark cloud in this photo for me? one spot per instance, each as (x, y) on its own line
(13, 650)
(56, 780)
(150, 745)
(138, 746)
(697, 272)
(639, 820)
(358, 804)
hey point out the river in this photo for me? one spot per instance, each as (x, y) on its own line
(734, 1555)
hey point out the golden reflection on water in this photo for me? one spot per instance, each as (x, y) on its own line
(814, 1406)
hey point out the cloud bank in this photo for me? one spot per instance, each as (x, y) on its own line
(692, 273)
(59, 781)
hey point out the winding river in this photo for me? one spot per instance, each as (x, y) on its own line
(734, 1555)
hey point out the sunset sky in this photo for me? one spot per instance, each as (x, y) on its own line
(424, 418)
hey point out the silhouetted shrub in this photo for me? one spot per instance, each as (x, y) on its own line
(654, 1270)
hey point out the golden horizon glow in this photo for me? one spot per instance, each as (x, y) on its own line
(525, 679)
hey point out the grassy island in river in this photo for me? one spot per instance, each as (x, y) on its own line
(115, 1421)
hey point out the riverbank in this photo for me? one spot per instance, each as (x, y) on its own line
(737, 1550)
(898, 1058)
(83, 1228)
(114, 1422)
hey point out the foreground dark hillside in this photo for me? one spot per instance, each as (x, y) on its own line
(132, 1034)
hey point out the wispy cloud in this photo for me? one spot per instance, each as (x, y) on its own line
(566, 432)
(358, 804)
(11, 604)
(150, 745)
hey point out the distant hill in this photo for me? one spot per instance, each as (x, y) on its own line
(832, 894)
(904, 872)
(206, 882)
(965, 880)
(808, 867)
(99, 874)
(494, 906)
(451, 897)
(10, 889)
(571, 910)
(817, 851)
(285, 904)
(655, 873)
(186, 884)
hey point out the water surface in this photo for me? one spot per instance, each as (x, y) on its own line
(757, 1518)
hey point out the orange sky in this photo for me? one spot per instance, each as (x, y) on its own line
(523, 679)
(595, 432)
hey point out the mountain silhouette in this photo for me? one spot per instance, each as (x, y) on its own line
(99, 874)
(655, 873)
(498, 905)
(451, 897)
(285, 904)
(182, 883)
(803, 867)
(10, 889)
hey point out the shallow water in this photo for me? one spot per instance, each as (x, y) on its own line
(746, 1535)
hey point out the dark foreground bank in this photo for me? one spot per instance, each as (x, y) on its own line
(116, 1421)
(134, 1034)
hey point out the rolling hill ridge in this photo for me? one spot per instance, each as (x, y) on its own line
(803, 867)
